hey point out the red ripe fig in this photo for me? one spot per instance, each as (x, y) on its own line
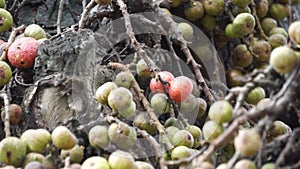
(22, 52)
(155, 84)
(180, 88)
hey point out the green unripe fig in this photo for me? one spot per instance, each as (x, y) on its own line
(186, 31)
(278, 11)
(6, 73)
(12, 151)
(242, 56)
(283, 59)
(49, 162)
(143, 165)
(213, 7)
(6, 20)
(194, 10)
(120, 99)
(222, 166)
(95, 162)
(63, 138)
(180, 152)
(30, 157)
(124, 79)
(103, 2)
(159, 103)
(183, 138)
(201, 107)
(129, 112)
(121, 159)
(237, 10)
(170, 132)
(234, 77)
(98, 137)
(269, 166)
(172, 121)
(76, 154)
(167, 11)
(262, 8)
(279, 128)
(278, 30)
(196, 133)
(130, 141)
(241, 3)
(294, 32)
(221, 112)
(211, 130)
(188, 105)
(196, 91)
(38, 140)
(2, 3)
(35, 31)
(209, 22)
(142, 69)
(255, 95)
(245, 164)
(263, 50)
(175, 3)
(103, 91)
(247, 142)
(122, 135)
(15, 114)
(267, 24)
(233, 31)
(277, 40)
(245, 22)
(144, 122)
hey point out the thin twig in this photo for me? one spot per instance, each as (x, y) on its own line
(11, 39)
(59, 15)
(4, 96)
(84, 14)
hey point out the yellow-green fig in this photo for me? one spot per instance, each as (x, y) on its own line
(124, 79)
(38, 140)
(211, 130)
(6, 73)
(194, 10)
(121, 160)
(255, 95)
(120, 99)
(183, 138)
(6, 20)
(294, 32)
(95, 162)
(279, 30)
(242, 56)
(98, 137)
(63, 138)
(196, 133)
(175, 3)
(180, 152)
(245, 22)
(247, 142)
(213, 7)
(144, 122)
(129, 112)
(283, 59)
(241, 3)
(277, 40)
(143, 165)
(262, 8)
(170, 131)
(278, 11)
(159, 103)
(35, 31)
(267, 24)
(237, 10)
(12, 151)
(221, 111)
(142, 69)
(209, 22)
(245, 164)
(186, 31)
(268, 166)
(2, 3)
(76, 154)
(30, 157)
(103, 91)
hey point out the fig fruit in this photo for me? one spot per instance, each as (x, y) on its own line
(269, 166)
(262, 8)
(244, 164)
(263, 50)
(172, 121)
(277, 40)
(144, 122)
(6, 20)
(241, 56)
(201, 107)
(241, 3)
(237, 10)
(180, 152)
(244, 22)
(5, 73)
(95, 162)
(221, 112)
(186, 31)
(278, 128)
(279, 30)
(213, 7)
(209, 22)
(233, 31)
(98, 137)
(159, 103)
(76, 154)
(267, 24)
(122, 135)
(175, 3)
(121, 159)
(63, 138)
(30, 157)
(129, 112)
(278, 11)
(34, 165)
(124, 79)
(183, 138)
(35, 31)
(36, 140)
(2, 3)
(155, 84)
(211, 130)
(194, 10)
(12, 151)
(143, 165)
(247, 142)
(120, 99)
(15, 114)
(103, 2)
(283, 59)
(103, 91)
(170, 131)
(234, 77)
(196, 133)
(142, 69)
(188, 105)
(255, 95)
(180, 88)
(294, 32)
(22, 52)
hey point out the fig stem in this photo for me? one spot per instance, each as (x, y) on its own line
(84, 14)
(5, 97)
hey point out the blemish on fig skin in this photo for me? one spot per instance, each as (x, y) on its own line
(8, 156)
(1, 21)
(2, 73)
